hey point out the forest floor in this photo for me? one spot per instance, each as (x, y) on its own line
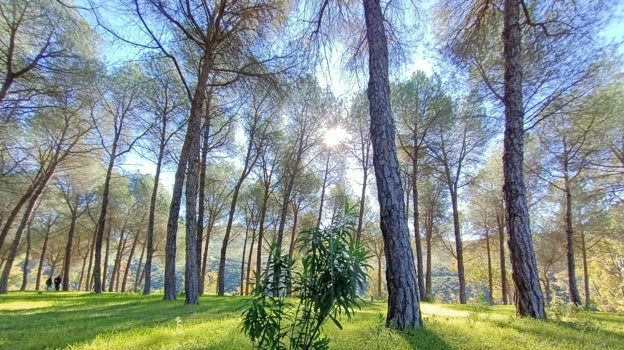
(72, 320)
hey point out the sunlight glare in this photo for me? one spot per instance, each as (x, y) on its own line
(335, 136)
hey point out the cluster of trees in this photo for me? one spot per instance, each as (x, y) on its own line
(218, 104)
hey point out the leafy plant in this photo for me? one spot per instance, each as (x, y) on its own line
(332, 271)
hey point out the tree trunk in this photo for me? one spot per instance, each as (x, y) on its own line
(379, 276)
(250, 160)
(489, 265)
(323, 186)
(172, 225)
(202, 199)
(572, 286)
(403, 303)
(459, 245)
(226, 240)
(585, 271)
(26, 261)
(6, 271)
(416, 213)
(99, 237)
(140, 271)
(429, 238)
(152, 217)
(242, 267)
(44, 247)
(362, 202)
(263, 211)
(68, 248)
(204, 266)
(501, 249)
(249, 259)
(89, 283)
(529, 301)
(124, 280)
(191, 275)
(106, 256)
(121, 247)
(83, 268)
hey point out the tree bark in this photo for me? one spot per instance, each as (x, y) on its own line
(585, 271)
(99, 236)
(403, 303)
(572, 286)
(416, 213)
(152, 215)
(489, 266)
(202, 197)
(529, 300)
(459, 245)
(26, 261)
(6, 271)
(501, 249)
(68, 246)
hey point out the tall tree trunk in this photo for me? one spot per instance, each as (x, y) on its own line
(172, 225)
(121, 247)
(99, 237)
(26, 261)
(501, 251)
(17, 208)
(106, 256)
(140, 271)
(226, 241)
(191, 275)
(572, 286)
(428, 267)
(250, 160)
(202, 198)
(362, 202)
(403, 303)
(6, 271)
(44, 247)
(530, 300)
(90, 283)
(263, 211)
(249, 258)
(152, 218)
(416, 213)
(242, 267)
(379, 276)
(204, 266)
(124, 280)
(489, 265)
(459, 245)
(83, 268)
(323, 187)
(68, 248)
(585, 271)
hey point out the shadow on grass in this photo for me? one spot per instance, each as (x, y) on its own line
(588, 332)
(424, 338)
(32, 320)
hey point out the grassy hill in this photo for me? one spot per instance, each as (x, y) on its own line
(57, 320)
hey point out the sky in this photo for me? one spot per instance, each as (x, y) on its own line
(328, 74)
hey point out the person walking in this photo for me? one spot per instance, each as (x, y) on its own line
(57, 283)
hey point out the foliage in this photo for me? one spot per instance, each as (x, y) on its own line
(332, 271)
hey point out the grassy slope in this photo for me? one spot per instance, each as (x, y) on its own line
(29, 320)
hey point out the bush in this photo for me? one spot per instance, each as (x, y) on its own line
(332, 271)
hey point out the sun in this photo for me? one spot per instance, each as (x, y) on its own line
(334, 136)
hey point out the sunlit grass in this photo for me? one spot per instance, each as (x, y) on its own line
(53, 320)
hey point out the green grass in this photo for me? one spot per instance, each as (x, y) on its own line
(50, 320)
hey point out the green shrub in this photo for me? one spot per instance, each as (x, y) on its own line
(332, 271)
